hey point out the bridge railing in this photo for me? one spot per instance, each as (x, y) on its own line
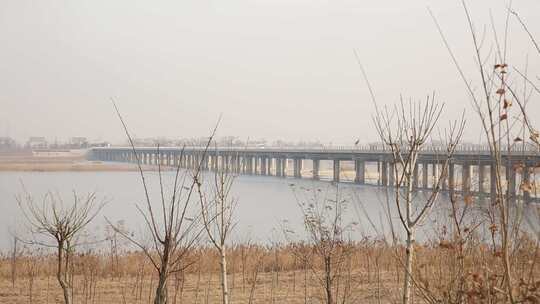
(371, 148)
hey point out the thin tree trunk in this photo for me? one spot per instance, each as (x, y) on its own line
(59, 274)
(328, 279)
(224, 285)
(408, 267)
(161, 290)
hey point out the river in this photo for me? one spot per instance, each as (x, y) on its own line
(266, 205)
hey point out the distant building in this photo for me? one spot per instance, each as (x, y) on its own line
(99, 144)
(37, 142)
(7, 143)
(78, 142)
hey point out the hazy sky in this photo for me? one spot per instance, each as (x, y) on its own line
(279, 69)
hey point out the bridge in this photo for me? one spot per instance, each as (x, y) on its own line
(471, 169)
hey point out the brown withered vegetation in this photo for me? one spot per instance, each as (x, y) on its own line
(448, 271)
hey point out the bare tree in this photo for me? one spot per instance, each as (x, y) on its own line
(325, 249)
(217, 216)
(172, 230)
(501, 106)
(405, 130)
(53, 224)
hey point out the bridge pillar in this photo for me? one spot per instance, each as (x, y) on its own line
(222, 166)
(201, 159)
(277, 162)
(244, 164)
(337, 170)
(526, 183)
(481, 178)
(232, 163)
(511, 179)
(255, 165)
(415, 176)
(435, 174)
(451, 177)
(391, 176)
(238, 164)
(215, 163)
(425, 175)
(360, 171)
(466, 178)
(316, 169)
(444, 181)
(249, 165)
(196, 160)
(493, 180)
(262, 161)
(269, 165)
(297, 167)
(183, 160)
(384, 173)
(179, 159)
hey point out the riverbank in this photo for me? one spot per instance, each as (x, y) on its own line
(57, 161)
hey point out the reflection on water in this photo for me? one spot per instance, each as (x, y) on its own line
(264, 203)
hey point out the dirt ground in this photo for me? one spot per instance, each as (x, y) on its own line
(284, 287)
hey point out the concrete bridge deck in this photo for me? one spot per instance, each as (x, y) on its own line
(473, 164)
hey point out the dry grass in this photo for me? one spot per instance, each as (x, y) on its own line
(373, 274)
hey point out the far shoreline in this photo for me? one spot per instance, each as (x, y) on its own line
(62, 161)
